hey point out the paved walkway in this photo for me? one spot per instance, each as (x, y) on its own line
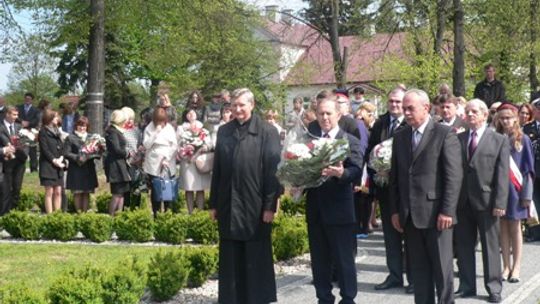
(370, 264)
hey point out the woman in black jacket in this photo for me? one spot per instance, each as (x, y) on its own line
(51, 160)
(81, 174)
(116, 167)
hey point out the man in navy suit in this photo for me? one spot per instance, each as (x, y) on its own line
(29, 118)
(424, 190)
(330, 212)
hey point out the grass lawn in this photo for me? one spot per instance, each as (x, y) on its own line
(38, 265)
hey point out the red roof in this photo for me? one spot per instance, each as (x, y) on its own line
(293, 34)
(316, 64)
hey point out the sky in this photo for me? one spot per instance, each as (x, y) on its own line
(25, 21)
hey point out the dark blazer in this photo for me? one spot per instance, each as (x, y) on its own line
(425, 183)
(531, 130)
(244, 182)
(346, 123)
(334, 200)
(50, 147)
(32, 116)
(79, 176)
(21, 154)
(379, 132)
(490, 92)
(485, 180)
(116, 167)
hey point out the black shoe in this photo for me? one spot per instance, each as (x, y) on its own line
(409, 289)
(387, 284)
(495, 298)
(464, 294)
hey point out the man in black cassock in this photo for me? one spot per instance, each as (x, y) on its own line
(243, 199)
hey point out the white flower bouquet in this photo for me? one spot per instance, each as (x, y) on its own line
(27, 137)
(380, 161)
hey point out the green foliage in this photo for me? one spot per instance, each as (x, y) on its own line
(102, 201)
(16, 294)
(78, 286)
(28, 200)
(137, 225)
(125, 284)
(203, 263)
(289, 237)
(201, 228)
(171, 228)
(289, 207)
(22, 224)
(180, 203)
(167, 273)
(96, 227)
(59, 226)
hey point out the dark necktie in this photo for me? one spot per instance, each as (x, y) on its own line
(11, 131)
(392, 127)
(473, 144)
(326, 135)
(417, 136)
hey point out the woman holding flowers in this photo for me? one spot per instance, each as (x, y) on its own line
(521, 189)
(51, 160)
(160, 146)
(81, 174)
(193, 139)
(116, 167)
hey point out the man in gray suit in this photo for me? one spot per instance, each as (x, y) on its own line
(483, 199)
(424, 189)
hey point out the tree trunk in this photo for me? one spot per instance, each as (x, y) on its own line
(336, 50)
(96, 67)
(533, 78)
(442, 9)
(458, 73)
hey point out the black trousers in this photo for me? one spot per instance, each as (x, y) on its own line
(332, 245)
(431, 264)
(32, 153)
(12, 184)
(246, 272)
(470, 222)
(394, 242)
(362, 208)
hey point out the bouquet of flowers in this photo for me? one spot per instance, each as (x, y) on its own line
(303, 159)
(192, 138)
(26, 137)
(380, 161)
(93, 147)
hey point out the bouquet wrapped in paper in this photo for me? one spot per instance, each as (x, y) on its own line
(93, 147)
(26, 137)
(380, 161)
(304, 157)
(192, 136)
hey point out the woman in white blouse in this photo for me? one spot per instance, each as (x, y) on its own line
(160, 146)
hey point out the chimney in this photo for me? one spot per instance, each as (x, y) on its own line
(272, 12)
(286, 16)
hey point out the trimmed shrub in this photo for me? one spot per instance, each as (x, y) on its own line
(96, 227)
(201, 228)
(289, 207)
(137, 225)
(27, 201)
(78, 286)
(167, 273)
(15, 294)
(20, 224)
(124, 284)
(59, 226)
(203, 263)
(102, 201)
(171, 228)
(289, 237)
(180, 204)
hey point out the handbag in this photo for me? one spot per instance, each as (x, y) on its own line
(165, 188)
(204, 162)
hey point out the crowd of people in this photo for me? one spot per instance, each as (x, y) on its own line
(458, 167)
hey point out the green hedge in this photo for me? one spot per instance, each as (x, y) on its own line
(59, 226)
(96, 227)
(289, 237)
(137, 225)
(16, 294)
(171, 227)
(20, 224)
(203, 263)
(289, 207)
(102, 201)
(167, 274)
(202, 229)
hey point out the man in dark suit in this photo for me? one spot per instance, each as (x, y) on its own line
(330, 212)
(14, 168)
(346, 123)
(6, 151)
(383, 129)
(483, 199)
(424, 189)
(448, 109)
(29, 118)
(532, 130)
